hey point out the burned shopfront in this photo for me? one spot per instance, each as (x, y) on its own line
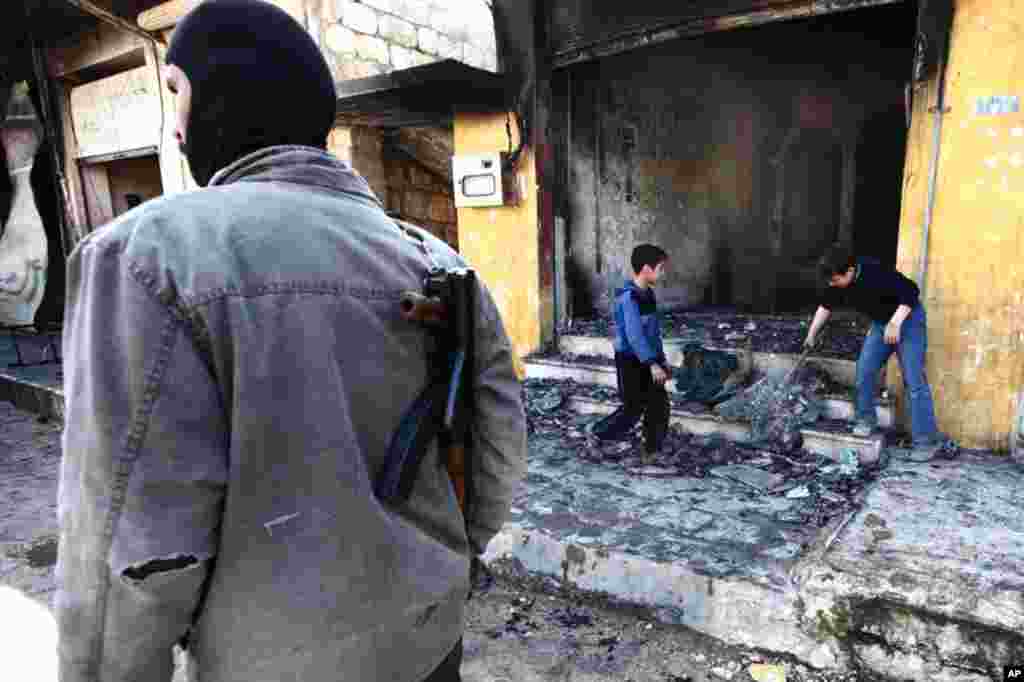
(743, 152)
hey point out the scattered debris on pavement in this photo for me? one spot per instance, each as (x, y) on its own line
(543, 627)
(724, 329)
(828, 489)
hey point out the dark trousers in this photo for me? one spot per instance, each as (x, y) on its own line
(448, 671)
(641, 397)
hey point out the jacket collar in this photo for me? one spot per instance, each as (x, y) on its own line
(296, 164)
(642, 292)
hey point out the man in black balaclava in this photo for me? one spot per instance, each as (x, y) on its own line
(235, 369)
(250, 89)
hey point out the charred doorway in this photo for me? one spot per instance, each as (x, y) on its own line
(880, 155)
(743, 153)
(115, 186)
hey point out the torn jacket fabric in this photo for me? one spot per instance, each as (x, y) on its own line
(235, 363)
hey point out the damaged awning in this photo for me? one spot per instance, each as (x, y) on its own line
(427, 95)
(583, 30)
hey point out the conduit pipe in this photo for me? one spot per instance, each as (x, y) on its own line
(939, 110)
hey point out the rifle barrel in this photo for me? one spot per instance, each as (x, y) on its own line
(416, 307)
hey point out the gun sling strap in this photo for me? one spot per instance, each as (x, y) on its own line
(426, 419)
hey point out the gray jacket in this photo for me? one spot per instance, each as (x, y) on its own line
(235, 366)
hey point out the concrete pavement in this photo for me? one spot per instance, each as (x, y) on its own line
(923, 579)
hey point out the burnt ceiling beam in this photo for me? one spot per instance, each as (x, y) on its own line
(105, 15)
(691, 27)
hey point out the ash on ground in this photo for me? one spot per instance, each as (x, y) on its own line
(830, 488)
(725, 329)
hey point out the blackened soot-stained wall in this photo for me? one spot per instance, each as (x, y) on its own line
(742, 153)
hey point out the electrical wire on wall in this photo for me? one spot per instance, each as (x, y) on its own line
(521, 105)
(523, 121)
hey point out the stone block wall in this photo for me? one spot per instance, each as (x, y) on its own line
(403, 185)
(423, 199)
(372, 37)
(363, 38)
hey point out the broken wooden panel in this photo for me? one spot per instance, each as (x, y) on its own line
(73, 190)
(89, 49)
(96, 185)
(117, 114)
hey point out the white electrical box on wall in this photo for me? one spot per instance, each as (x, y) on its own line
(478, 180)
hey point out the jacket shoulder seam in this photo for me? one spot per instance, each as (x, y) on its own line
(132, 443)
(180, 310)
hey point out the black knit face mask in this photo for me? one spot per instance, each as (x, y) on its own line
(257, 78)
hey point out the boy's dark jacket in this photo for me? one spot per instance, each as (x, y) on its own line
(638, 324)
(877, 291)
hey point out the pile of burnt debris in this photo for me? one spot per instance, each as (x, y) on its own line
(778, 408)
(831, 487)
(723, 329)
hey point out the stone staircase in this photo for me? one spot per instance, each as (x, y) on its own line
(590, 361)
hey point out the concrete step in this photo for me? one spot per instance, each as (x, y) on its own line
(818, 441)
(837, 406)
(842, 371)
(34, 390)
(909, 585)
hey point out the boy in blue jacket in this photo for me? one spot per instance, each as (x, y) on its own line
(640, 363)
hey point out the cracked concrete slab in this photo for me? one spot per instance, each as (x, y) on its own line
(710, 553)
(928, 578)
(609, 507)
(744, 565)
(758, 479)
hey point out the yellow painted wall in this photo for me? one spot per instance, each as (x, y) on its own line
(502, 243)
(974, 289)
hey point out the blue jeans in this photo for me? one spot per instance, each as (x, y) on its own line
(910, 350)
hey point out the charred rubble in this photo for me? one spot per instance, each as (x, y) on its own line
(829, 489)
(782, 334)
